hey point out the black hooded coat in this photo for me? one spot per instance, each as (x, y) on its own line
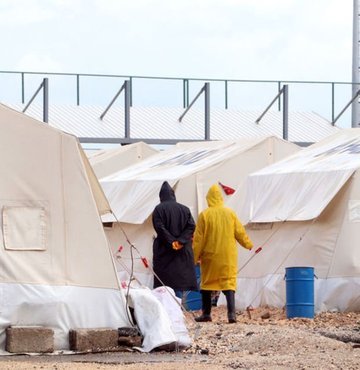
(173, 221)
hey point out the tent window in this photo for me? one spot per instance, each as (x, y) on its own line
(259, 226)
(24, 228)
(108, 224)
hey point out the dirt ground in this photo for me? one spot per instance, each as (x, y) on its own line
(261, 339)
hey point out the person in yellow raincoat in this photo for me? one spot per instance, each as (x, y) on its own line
(216, 232)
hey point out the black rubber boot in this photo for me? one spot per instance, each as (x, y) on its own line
(214, 298)
(230, 300)
(206, 307)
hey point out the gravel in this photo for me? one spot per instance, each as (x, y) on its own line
(329, 341)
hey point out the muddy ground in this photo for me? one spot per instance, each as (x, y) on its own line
(261, 339)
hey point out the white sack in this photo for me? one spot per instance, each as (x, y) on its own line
(167, 297)
(152, 319)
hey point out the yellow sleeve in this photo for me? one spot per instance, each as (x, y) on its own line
(240, 234)
(198, 240)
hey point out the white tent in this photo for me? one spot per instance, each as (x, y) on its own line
(191, 168)
(106, 162)
(305, 211)
(56, 267)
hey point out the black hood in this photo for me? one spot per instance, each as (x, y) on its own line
(166, 192)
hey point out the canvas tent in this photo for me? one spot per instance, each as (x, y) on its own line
(191, 168)
(106, 162)
(56, 266)
(305, 211)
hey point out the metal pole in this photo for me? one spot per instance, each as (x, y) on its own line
(130, 92)
(346, 107)
(33, 97)
(191, 104)
(127, 109)
(22, 88)
(279, 100)
(332, 102)
(285, 112)
(269, 106)
(113, 100)
(184, 94)
(187, 92)
(77, 90)
(226, 95)
(355, 116)
(46, 100)
(207, 110)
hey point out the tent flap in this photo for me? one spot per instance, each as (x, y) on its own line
(299, 187)
(292, 196)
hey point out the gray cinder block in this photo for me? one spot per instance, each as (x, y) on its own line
(33, 339)
(93, 340)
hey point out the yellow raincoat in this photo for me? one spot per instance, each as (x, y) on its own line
(216, 233)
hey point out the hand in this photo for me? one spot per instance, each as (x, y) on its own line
(176, 245)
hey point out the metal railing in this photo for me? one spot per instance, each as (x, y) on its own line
(285, 93)
(185, 85)
(127, 86)
(45, 86)
(346, 107)
(206, 90)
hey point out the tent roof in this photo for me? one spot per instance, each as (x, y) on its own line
(106, 162)
(134, 192)
(300, 187)
(9, 115)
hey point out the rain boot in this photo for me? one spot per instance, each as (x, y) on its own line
(206, 307)
(230, 300)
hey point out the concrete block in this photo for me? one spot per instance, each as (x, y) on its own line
(93, 340)
(133, 341)
(29, 339)
(128, 332)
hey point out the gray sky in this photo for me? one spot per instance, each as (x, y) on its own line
(227, 39)
(239, 39)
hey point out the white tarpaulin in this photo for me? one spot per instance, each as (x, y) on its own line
(315, 196)
(134, 192)
(300, 187)
(56, 266)
(106, 162)
(191, 168)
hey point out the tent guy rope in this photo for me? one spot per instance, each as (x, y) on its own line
(148, 266)
(249, 307)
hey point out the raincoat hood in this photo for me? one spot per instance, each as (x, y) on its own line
(214, 197)
(166, 192)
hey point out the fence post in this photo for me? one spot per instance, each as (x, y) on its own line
(46, 100)
(207, 110)
(77, 90)
(279, 100)
(127, 109)
(130, 91)
(226, 94)
(22, 87)
(285, 112)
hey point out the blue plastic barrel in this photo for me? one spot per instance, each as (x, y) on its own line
(299, 292)
(193, 300)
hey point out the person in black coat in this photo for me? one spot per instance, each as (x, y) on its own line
(173, 258)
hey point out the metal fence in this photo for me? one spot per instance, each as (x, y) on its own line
(326, 98)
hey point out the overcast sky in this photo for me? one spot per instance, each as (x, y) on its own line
(226, 39)
(238, 39)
